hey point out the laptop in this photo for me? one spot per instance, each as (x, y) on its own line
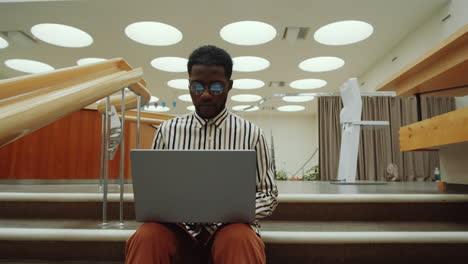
(194, 186)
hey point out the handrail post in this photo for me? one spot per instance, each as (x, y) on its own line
(101, 167)
(122, 156)
(138, 122)
(106, 164)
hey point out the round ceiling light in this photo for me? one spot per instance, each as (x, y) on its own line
(246, 98)
(62, 35)
(321, 64)
(158, 108)
(343, 32)
(191, 107)
(182, 84)
(249, 64)
(305, 84)
(247, 84)
(240, 107)
(85, 61)
(28, 66)
(153, 99)
(298, 98)
(248, 33)
(291, 108)
(3, 43)
(185, 98)
(245, 108)
(170, 64)
(153, 33)
(252, 109)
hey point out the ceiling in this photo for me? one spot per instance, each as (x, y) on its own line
(200, 23)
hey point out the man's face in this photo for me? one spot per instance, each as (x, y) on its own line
(208, 103)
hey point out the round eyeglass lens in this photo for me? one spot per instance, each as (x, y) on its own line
(197, 87)
(216, 88)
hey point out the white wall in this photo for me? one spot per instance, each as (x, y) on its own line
(416, 43)
(295, 137)
(461, 102)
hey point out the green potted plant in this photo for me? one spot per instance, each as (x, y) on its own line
(281, 175)
(312, 174)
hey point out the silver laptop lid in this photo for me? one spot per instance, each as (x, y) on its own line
(199, 186)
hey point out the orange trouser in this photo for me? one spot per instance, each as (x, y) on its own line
(163, 244)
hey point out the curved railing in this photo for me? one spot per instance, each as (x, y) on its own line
(30, 102)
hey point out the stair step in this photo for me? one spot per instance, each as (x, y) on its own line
(272, 231)
(345, 207)
(86, 240)
(313, 223)
(57, 262)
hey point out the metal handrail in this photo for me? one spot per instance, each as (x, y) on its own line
(104, 166)
(305, 163)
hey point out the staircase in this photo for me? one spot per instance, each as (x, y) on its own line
(315, 222)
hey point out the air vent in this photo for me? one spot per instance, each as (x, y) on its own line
(295, 33)
(276, 84)
(19, 38)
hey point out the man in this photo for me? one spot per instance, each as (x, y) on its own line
(211, 126)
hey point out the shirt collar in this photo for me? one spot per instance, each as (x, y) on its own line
(218, 120)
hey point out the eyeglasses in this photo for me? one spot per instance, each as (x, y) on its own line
(215, 88)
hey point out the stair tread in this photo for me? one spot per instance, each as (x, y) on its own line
(266, 225)
(284, 187)
(57, 262)
(364, 226)
(288, 198)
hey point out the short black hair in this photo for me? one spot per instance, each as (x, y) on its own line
(210, 55)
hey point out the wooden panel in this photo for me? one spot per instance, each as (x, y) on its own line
(448, 128)
(444, 66)
(149, 115)
(66, 149)
(30, 102)
(449, 93)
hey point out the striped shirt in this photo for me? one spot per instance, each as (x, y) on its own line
(225, 131)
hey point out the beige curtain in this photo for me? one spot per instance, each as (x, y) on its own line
(329, 136)
(379, 147)
(375, 148)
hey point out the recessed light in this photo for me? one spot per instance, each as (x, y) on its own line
(62, 35)
(158, 108)
(85, 61)
(321, 64)
(248, 33)
(191, 107)
(185, 98)
(170, 64)
(305, 84)
(291, 108)
(298, 98)
(343, 32)
(249, 64)
(240, 107)
(153, 33)
(247, 84)
(3, 43)
(153, 99)
(246, 98)
(28, 66)
(179, 84)
(252, 109)
(245, 108)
